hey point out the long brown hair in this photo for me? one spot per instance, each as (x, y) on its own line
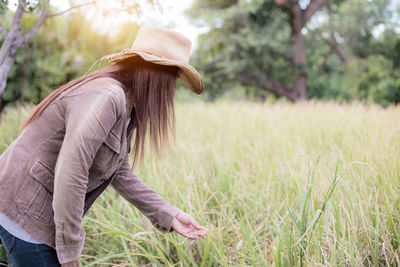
(152, 87)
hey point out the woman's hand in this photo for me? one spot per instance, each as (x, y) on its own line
(185, 225)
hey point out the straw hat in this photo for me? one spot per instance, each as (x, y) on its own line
(164, 47)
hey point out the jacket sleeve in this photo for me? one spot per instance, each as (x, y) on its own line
(133, 189)
(88, 120)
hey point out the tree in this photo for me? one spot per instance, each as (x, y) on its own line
(298, 19)
(64, 48)
(350, 49)
(15, 37)
(249, 20)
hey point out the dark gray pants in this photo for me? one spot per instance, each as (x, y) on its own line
(22, 253)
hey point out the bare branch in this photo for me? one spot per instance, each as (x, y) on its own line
(334, 46)
(295, 12)
(45, 15)
(291, 7)
(16, 23)
(313, 7)
(38, 24)
(284, 3)
(3, 31)
(72, 8)
(273, 86)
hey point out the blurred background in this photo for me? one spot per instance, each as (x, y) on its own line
(341, 50)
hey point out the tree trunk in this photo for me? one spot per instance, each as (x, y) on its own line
(299, 60)
(5, 68)
(7, 58)
(298, 19)
(13, 41)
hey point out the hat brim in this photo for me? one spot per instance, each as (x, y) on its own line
(188, 74)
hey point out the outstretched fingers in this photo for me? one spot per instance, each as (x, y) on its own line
(199, 230)
(188, 227)
(195, 224)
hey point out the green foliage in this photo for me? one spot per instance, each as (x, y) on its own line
(11, 120)
(63, 49)
(3, 6)
(253, 37)
(238, 42)
(3, 255)
(243, 37)
(377, 84)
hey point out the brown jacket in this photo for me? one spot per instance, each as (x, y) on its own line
(61, 162)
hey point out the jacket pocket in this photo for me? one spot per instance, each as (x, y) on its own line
(105, 161)
(35, 196)
(113, 142)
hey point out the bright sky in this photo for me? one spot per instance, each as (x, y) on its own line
(172, 16)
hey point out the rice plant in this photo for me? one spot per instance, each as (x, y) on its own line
(312, 184)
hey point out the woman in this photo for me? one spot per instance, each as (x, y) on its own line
(77, 142)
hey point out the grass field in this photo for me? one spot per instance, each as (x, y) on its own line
(313, 184)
